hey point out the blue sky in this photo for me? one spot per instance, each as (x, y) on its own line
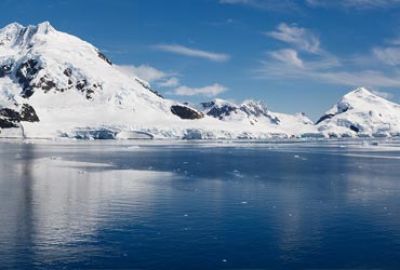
(295, 55)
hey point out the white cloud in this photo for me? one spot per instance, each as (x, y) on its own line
(287, 55)
(170, 82)
(145, 72)
(295, 5)
(311, 62)
(300, 37)
(388, 55)
(325, 70)
(209, 91)
(182, 50)
(151, 75)
(358, 4)
(383, 94)
(394, 41)
(369, 78)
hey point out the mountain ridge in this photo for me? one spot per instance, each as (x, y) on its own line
(54, 84)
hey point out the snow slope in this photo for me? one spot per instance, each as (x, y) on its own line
(361, 113)
(54, 84)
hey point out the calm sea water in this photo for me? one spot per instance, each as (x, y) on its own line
(138, 205)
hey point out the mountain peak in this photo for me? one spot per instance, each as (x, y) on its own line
(254, 103)
(360, 91)
(11, 26)
(15, 27)
(45, 27)
(361, 111)
(363, 94)
(15, 35)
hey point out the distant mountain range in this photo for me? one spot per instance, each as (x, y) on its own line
(53, 84)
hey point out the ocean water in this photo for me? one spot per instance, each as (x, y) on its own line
(189, 205)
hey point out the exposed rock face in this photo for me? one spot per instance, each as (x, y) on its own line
(342, 108)
(85, 87)
(250, 109)
(28, 114)
(10, 118)
(7, 124)
(104, 57)
(354, 128)
(10, 114)
(258, 109)
(25, 74)
(5, 70)
(147, 86)
(325, 117)
(185, 112)
(219, 111)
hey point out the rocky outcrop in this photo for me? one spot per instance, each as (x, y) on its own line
(185, 112)
(87, 88)
(219, 111)
(5, 70)
(147, 86)
(25, 75)
(104, 57)
(258, 109)
(10, 118)
(342, 108)
(10, 114)
(249, 109)
(28, 114)
(7, 124)
(325, 117)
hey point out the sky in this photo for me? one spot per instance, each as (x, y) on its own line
(294, 55)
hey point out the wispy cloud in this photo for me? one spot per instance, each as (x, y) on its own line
(150, 74)
(358, 4)
(272, 5)
(209, 91)
(285, 5)
(370, 78)
(191, 52)
(289, 56)
(388, 55)
(170, 82)
(304, 63)
(299, 37)
(383, 94)
(326, 70)
(394, 41)
(145, 72)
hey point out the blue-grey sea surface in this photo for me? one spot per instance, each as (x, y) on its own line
(199, 205)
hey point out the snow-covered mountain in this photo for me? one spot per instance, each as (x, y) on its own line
(53, 84)
(361, 113)
(256, 113)
(66, 85)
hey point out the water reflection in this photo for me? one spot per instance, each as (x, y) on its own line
(48, 204)
(92, 206)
